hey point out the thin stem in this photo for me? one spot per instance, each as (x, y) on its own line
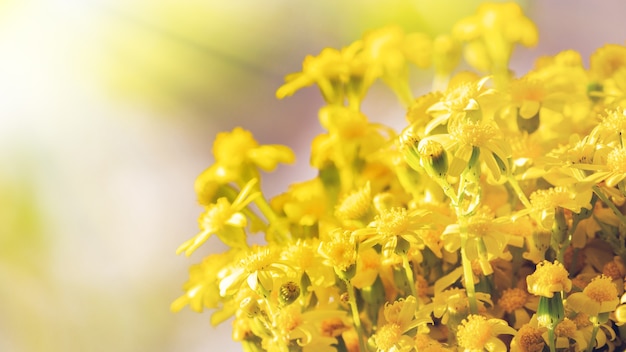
(594, 332)
(355, 315)
(468, 273)
(551, 339)
(272, 218)
(409, 274)
(518, 191)
(610, 204)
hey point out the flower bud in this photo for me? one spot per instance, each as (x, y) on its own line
(288, 293)
(434, 158)
(409, 143)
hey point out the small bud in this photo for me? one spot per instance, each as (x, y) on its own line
(409, 143)
(288, 293)
(434, 158)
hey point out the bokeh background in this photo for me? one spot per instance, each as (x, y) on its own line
(108, 110)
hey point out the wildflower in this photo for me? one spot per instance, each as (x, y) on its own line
(339, 252)
(491, 34)
(389, 50)
(528, 339)
(202, 289)
(477, 333)
(355, 205)
(259, 267)
(292, 325)
(305, 259)
(399, 319)
(452, 305)
(393, 226)
(483, 231)
(304, 203)
(517, 302)
(337, 73)
(224, 219)
(599, 296)
(567, 330)
(548, 279)
(545, 201)
(459, 100)
(607, 60)
(236, 150)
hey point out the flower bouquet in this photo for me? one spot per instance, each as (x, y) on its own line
(493, 221)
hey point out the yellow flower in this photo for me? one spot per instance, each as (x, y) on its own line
(259, 266)
(224, 219)
(452, 305)
(202, 289)
(528, 339)
(492, 32)
(355, 205)
(599, 296)
(517, 302)
(483, 230)
(339, 252)
(545, 201)
(238, 148)
(337, 73)
(477, 334)
(303, 256)
(400, 317)
(304, 203)
(395, 226)
(607, 60)
(460, 99)
(389, 50)
(548, 279)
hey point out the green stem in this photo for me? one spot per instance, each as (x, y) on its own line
(610, 204)
(518, 191)
(272, 218)
(355, 315)
(594, 332)
(468, 273)
(551, 339)
(409, 274)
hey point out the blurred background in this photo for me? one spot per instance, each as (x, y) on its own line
(108, 111)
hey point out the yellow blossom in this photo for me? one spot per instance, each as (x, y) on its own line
(339, 252)
(224, 219)
(548, 279)
(492, 32)
(237, 149)
(477, 334)
(400, 317)
(528, 339)
(599, 296)
(518, 303)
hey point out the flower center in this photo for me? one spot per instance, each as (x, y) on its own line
(259, 260)
(474, 134)
(601, 289)
(616, 160)
(387, 336)
(392, 222)
(512, 299)
(530, 339)
(474, 333)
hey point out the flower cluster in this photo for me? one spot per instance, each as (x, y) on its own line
(493, 221)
